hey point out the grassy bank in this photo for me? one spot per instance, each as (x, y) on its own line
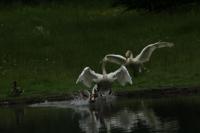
(44, 48)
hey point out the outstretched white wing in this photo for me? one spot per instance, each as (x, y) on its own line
(87, 77)
(121, 75)
(114, 58)
(147, 51)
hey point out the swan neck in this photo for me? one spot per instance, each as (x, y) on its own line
(130, 54)
(104, 68)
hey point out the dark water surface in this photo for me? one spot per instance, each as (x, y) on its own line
(177, 115)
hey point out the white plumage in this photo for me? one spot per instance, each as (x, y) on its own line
(88, 76)
(147, 51)
(142, 57)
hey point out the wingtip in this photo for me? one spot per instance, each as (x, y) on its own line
(168, 44)
(171, 44)
(131, 82)
(77, 81)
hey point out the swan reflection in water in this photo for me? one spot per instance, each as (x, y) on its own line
(104, 116)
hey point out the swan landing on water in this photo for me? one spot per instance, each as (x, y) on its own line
(142, 57)
(103, 82)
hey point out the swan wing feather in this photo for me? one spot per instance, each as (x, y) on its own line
(121, 75)
(114, 58)
(87, 77)
(147, 51)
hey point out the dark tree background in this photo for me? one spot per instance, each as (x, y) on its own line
(29, 2)
(147, 5)
(156, 5)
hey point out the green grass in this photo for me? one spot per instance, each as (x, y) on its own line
(46, 47)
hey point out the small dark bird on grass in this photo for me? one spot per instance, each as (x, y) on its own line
(16, 90)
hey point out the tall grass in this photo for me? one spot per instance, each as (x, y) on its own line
(45, 48)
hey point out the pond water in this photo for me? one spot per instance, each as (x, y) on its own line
(177, 115)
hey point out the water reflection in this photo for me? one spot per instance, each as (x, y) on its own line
(19, 114)
(125, 120)
(116, 116)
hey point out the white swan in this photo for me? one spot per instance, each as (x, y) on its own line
(142, 57)
(88, 76)
(104, 81)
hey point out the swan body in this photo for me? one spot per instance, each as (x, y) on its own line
(142, 57)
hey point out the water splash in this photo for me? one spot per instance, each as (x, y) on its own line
(79, 101)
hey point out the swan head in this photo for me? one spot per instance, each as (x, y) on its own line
(93, 97)
(129, 54)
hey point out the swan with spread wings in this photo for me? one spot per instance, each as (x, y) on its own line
(142, 57)
(104, 81)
